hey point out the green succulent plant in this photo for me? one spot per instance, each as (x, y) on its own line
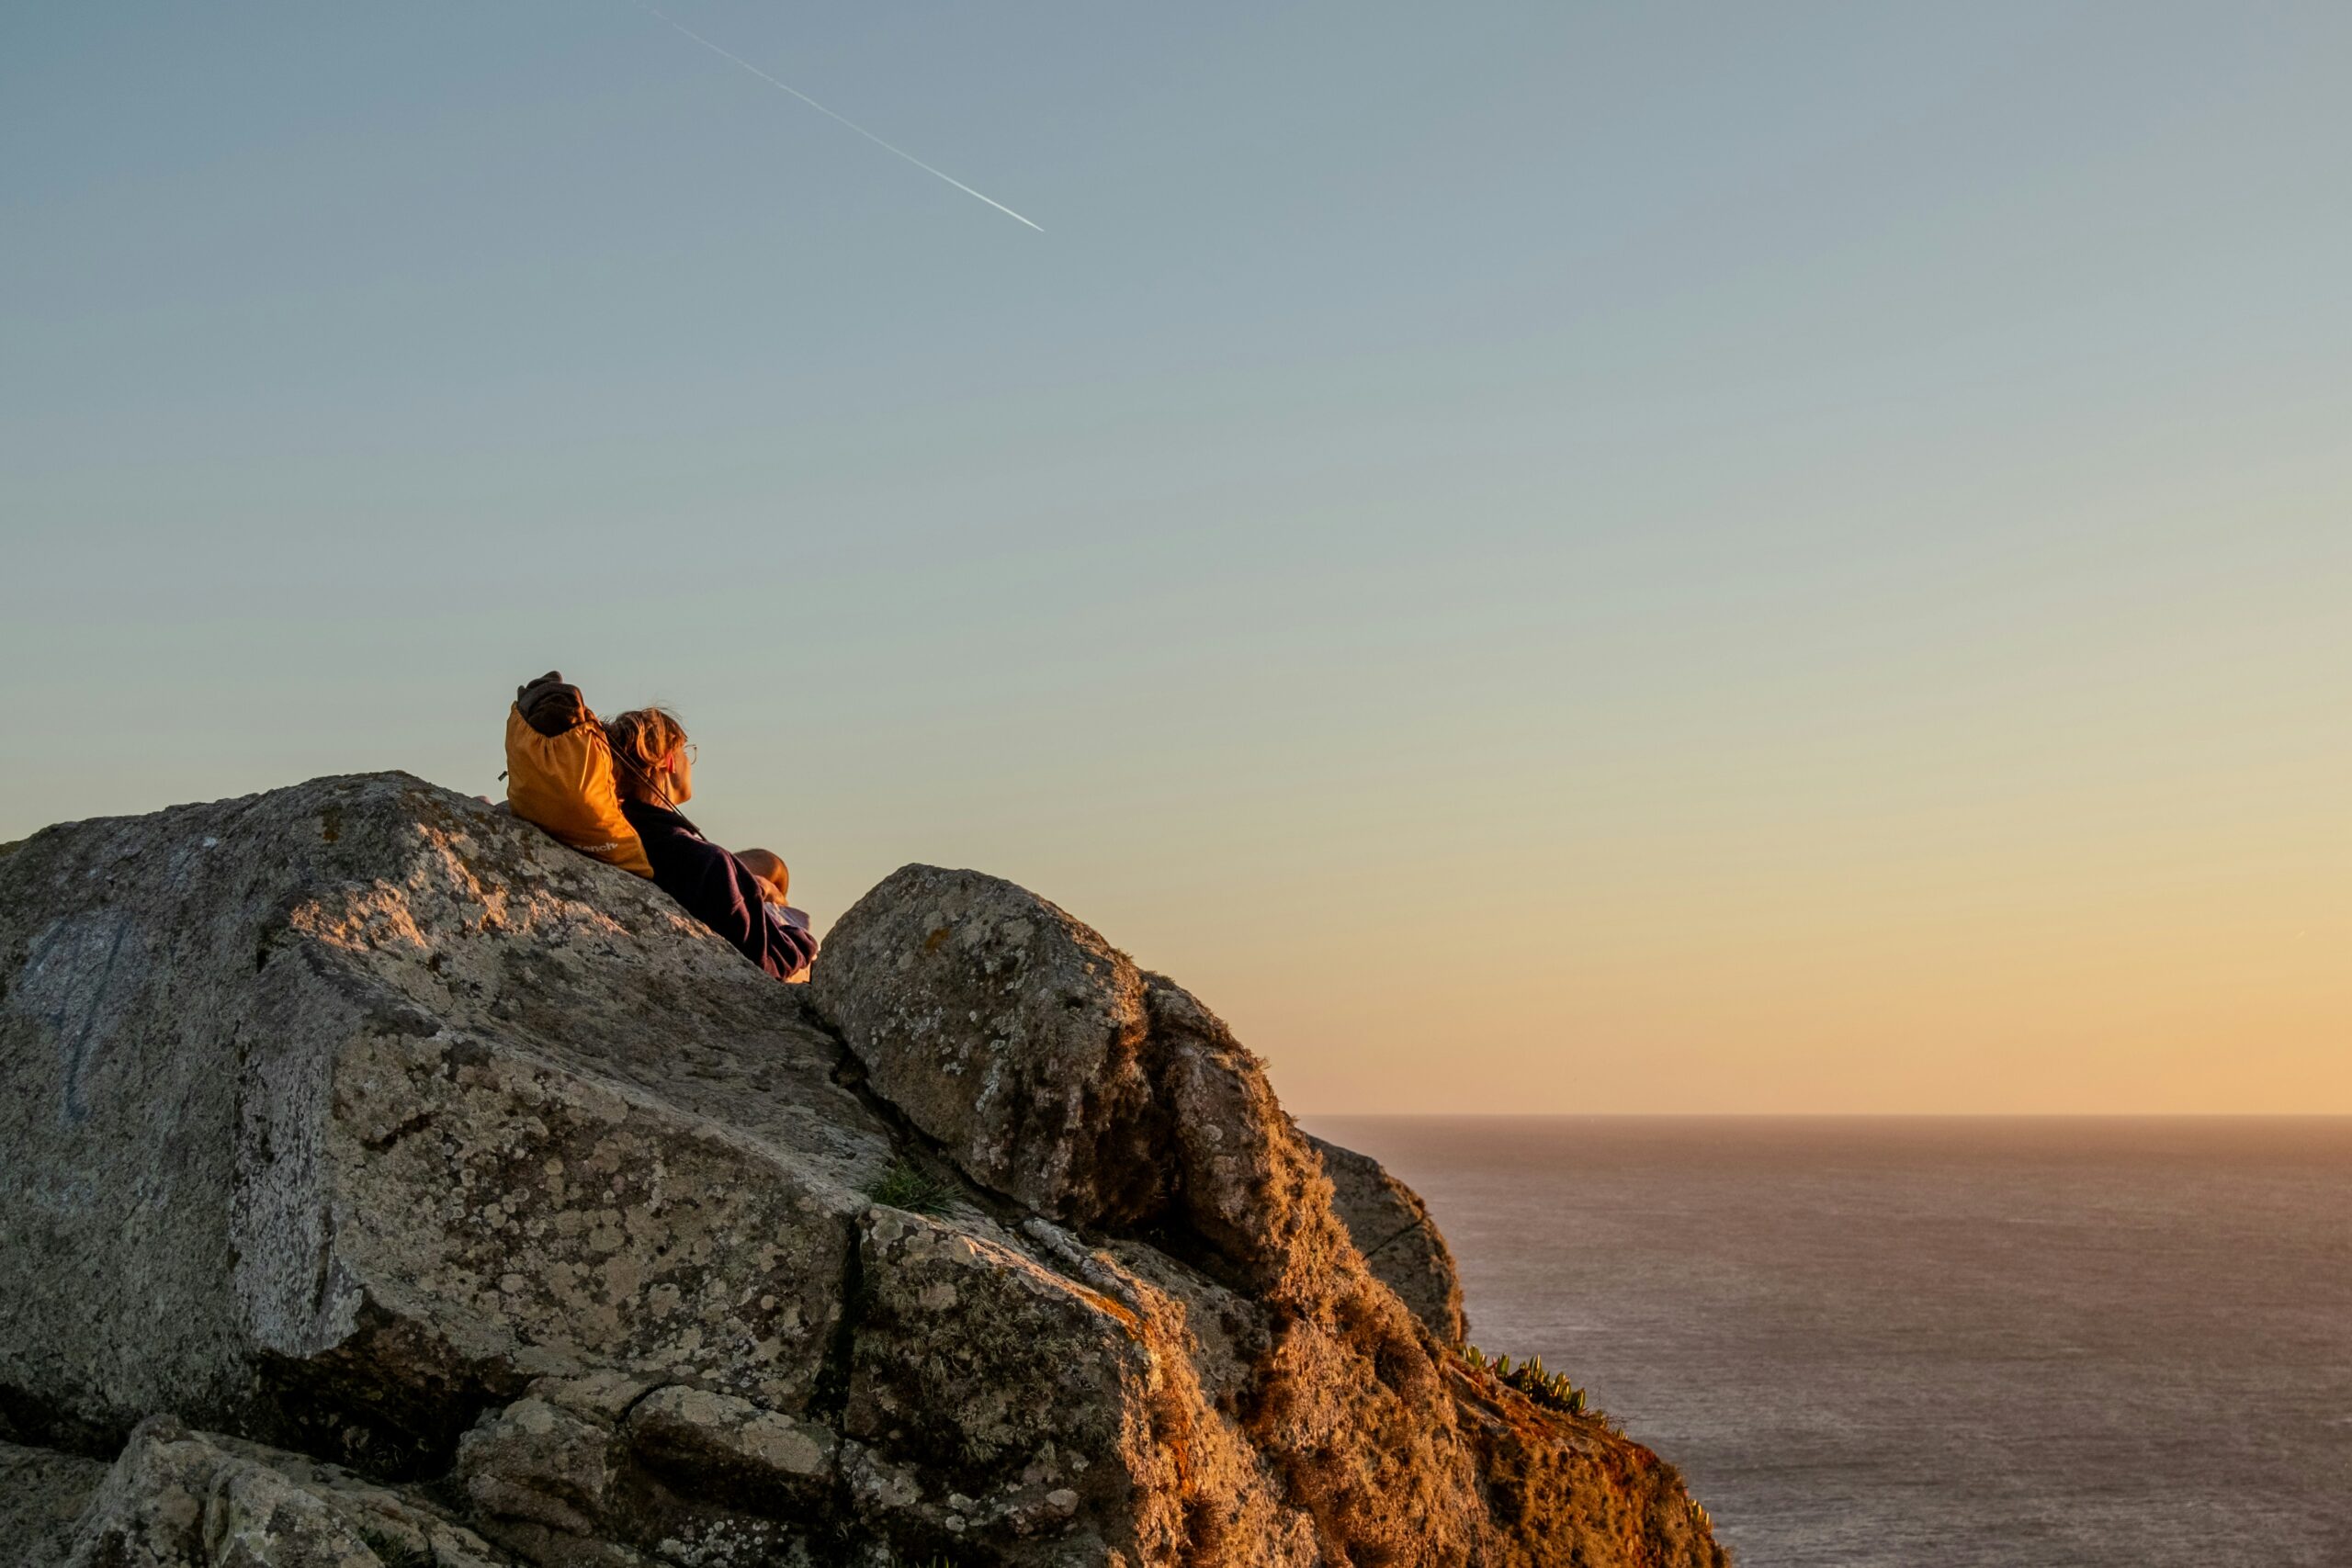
(1530, 1378)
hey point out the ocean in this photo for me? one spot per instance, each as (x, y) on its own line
(1928, 1343)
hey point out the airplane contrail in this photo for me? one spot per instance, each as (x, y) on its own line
(724, 55)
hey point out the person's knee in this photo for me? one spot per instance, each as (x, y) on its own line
(773, 875)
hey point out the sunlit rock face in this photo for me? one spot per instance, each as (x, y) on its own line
(1056, 1074)
(1006, 1030)
(383, 1183)
(1391, 1227)
(340, 1112)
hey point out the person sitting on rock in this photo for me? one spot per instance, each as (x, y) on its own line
(654, 769)
(776, 887)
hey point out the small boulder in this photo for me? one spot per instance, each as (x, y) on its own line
(1391, 1226)
(41, 1495)
(1005, 1029)
(1242, 1176)
(1056, 1073)
(997, 1401)
(181, 1499)
(539, 1462)
(718, 1447)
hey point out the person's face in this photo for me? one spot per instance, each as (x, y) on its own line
(678, 774)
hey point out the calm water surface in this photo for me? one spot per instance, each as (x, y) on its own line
(1982, 1342)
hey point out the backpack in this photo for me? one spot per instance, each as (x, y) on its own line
(559, 775)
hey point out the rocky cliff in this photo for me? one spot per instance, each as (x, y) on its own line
(385, 1185)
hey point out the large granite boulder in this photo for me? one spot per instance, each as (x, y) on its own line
(338, 1115)
(367, 1156)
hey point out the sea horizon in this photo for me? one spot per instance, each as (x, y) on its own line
(1824, 1115)
(1948, 1341)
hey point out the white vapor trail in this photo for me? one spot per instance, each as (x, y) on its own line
(918, 163)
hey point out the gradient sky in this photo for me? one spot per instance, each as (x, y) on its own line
(1541, 556)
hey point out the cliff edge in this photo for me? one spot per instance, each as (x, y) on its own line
(385, 1185)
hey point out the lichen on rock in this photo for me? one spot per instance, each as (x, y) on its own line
(385, 1184)
(181, 1499)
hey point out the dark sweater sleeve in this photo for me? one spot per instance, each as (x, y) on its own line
(725, 896)
(720, 891)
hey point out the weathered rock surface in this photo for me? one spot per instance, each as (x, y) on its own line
(340, 1113)
(372, 1132)
(41, 1495)
(1007, 1031)
(1391, 1226)
(1056, 1073)
(183, 1499)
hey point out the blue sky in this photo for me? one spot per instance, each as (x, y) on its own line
(1657, 548)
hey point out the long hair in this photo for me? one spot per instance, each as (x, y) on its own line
(640, 738)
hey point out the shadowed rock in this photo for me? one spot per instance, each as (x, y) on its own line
(181, 1499)
(42, 1494)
